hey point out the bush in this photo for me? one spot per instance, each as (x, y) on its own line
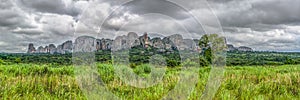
(18, 60)
(142, 69)
(1, 62)
(133, 65)
(189, 63)
(172, 63)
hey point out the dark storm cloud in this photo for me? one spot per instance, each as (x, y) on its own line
(261, 24)
(51, 6)
(158, 6)
(11, 17)
(151, 15)
(254, 13)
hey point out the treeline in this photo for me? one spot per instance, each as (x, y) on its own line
(262, 58)
(139, 56)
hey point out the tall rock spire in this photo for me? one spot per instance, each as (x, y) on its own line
(31, 48)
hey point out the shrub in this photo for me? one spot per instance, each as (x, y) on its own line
(172, 63)
(189, 63)
(1, 62)
(18, 60)
(142, 69)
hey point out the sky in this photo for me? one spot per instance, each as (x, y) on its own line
(260, 24)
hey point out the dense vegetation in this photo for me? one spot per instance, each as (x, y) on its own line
(262, 58)
(173, 59)
(35, 81)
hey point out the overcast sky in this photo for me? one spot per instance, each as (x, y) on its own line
(259, 24)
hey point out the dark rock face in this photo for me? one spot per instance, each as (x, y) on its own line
(144, 40)
(104, 44)
(52, 49)
(67, 47)
(230, 47)
(31, 48)
(168, 43)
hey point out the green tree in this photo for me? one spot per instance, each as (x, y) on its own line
(213, 48)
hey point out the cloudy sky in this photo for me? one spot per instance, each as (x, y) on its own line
(259, 24)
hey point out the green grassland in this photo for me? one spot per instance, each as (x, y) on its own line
(47, 81)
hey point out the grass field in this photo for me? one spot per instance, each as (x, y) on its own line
(33, 81)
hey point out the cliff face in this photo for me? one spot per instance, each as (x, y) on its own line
(85, 44)
(31, 48)
(90, 44)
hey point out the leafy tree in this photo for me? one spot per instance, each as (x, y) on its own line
(212, 47)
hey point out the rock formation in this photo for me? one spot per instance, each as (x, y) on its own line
(52, 49)
(241, 48)
(85, 44)
(144, 40)
(41, 49)
(244, 48)
(31, 48)
(67, 47)
(90, 44)
(230, 47)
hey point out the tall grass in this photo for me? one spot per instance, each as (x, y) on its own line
(33, 81)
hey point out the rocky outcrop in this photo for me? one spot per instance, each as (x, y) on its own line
(144, 40)
(90, 44)
(126, 42)
(31, 48)
(41, 49)
(104, 44)
(157, 43)
(52, 49)
(230, 47)
(85, 44)
(244, 48)
(67, 47)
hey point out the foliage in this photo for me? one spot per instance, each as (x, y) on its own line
(1, 62)
(18, 60)
(172, 59)
(262, 58)
(142, 69)
(211, 45)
